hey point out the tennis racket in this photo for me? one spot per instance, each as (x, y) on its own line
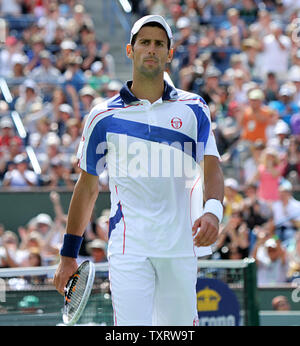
(77, 292)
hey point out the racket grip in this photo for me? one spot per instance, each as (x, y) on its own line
(71, 245)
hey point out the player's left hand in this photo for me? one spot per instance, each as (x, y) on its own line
(209, 230)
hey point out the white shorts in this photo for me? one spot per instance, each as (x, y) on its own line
(153, 291)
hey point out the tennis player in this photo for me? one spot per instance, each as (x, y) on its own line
(157, 144)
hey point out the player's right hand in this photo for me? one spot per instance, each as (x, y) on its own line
(66, 268)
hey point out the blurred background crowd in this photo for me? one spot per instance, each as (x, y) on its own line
(242, 57)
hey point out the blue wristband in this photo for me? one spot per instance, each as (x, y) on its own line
(71, 245)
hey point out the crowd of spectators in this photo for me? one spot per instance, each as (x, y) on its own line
(242, 57)
(56, 69)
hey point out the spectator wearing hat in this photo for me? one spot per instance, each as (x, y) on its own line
(256, 117)
(37, 45)
(59, 174)
(10, 253)
(232, 197)
(72, 137)
(50, 238)
(46, 71)
(237, 90)
(19, 62)
(87, 95)
(280, 138)
(236, 27)
(250, 47)
(67, 48)
(97, 250)
(79, 19)
(74, 80)
(211, 90)
(74, 75)
(32, 249)
(98, 78)
(38, 139)
(21, 176)
(7, 157)
(286, 213)
(7, 134)
(271, 261)
(29, 96)
(66, 112)
(181, 38)
(285, 105)
(237, 63)
(112, 88)
(52, 151)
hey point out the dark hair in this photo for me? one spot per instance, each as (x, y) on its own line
(152, 24)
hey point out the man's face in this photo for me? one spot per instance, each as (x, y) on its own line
(150, 52)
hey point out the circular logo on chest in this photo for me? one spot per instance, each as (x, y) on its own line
(176, 123)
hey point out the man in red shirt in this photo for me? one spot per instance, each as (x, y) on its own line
(7, 134)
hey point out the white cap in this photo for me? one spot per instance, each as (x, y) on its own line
(149, 19)
(183, 22)
(96, 66)
(286, 185)
(65, 108)
(44, 219)
(281, 127)
(271, 243)
(6, 122)
(232, 183)
(68, 44)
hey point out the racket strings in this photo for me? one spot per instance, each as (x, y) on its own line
(75, 293)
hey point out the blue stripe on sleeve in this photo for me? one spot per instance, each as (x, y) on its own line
(97, 148)
(203, 129)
